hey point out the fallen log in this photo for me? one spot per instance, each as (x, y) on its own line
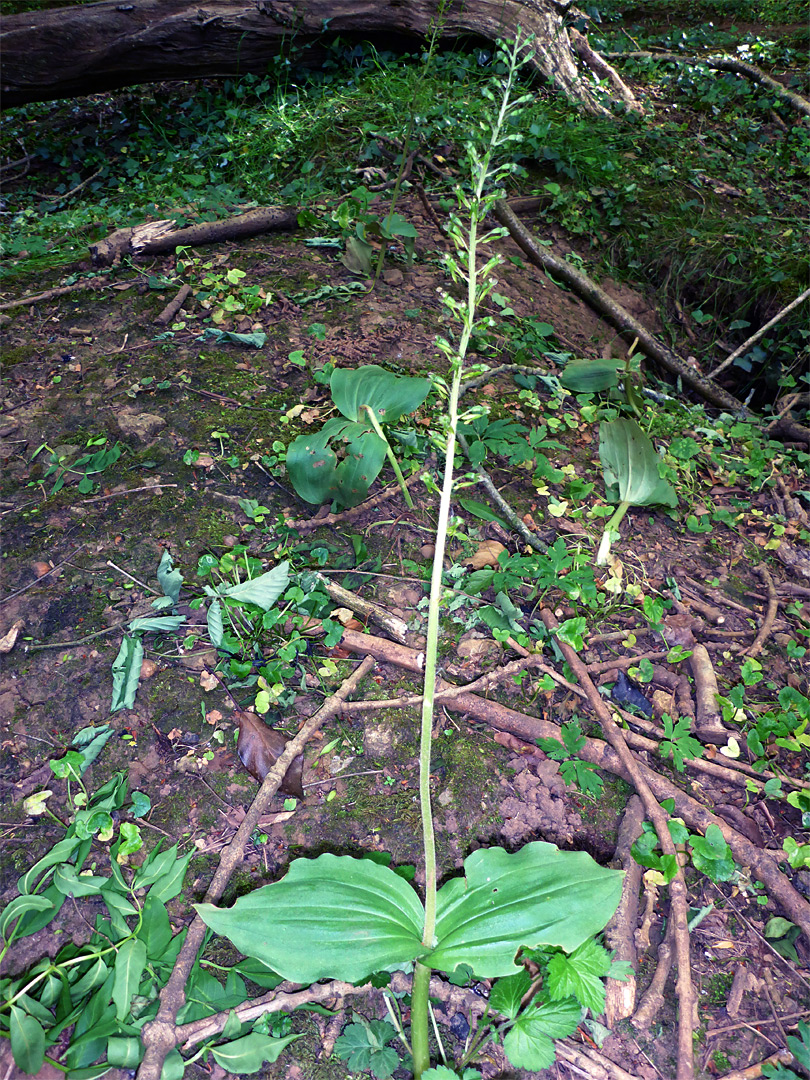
(103, 46)
(158, 237)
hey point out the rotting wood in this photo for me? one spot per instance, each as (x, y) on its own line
(93, 48)
(615, 314)
(620, 997)
(171, 309)
(158, 237)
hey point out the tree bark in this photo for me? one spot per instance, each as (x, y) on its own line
(98, 47)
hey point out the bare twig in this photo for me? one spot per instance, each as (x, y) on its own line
(53, 570)
(171, 309)
(503, 506)
(50, 294)
(624, 322)
(157, 488)
(160, 1035)
(677, 887)
(770, 615)
(746, 345)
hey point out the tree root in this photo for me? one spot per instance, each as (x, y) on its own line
(618, 316)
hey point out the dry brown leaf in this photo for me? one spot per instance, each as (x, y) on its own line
(486, 555)
(208, 681)
(9, 639)
(259, 748)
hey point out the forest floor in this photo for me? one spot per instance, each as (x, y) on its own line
(92, 365)
(123, 437)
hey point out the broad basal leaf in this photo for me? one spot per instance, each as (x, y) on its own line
(389, 395)
(319, 474)
(333, 917)
(590, 376)
(630, 466)
(536, 896)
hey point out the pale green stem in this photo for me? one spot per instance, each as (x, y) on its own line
(390, 454)
(421, 977)
(420, 1047)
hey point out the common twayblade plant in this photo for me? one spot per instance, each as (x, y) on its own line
(338, 917)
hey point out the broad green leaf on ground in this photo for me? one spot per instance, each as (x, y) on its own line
(90, 741)
(126, 673)
(169, 579)
(319, 474)
(590, 376)
(264, 590)
(630, 466)
(248, 1054)
(213, 617)
(27, 1041)
(334, 917)
(389, 395)
(536, 896)
(161, 624)
(129, 964)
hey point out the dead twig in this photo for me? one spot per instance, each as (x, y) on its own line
(308, 524)
(620, 997)
(653, 998)
(160, 1035)
(171, 309)
(503, 506)
(677, 887)
(53, 570)
(746, 345)
(620, 318)
(770, 615)
(50, 294)
(156, 488)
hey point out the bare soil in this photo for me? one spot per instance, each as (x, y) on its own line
(76, 567)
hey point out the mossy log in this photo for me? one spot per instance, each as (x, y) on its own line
(92, 48)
